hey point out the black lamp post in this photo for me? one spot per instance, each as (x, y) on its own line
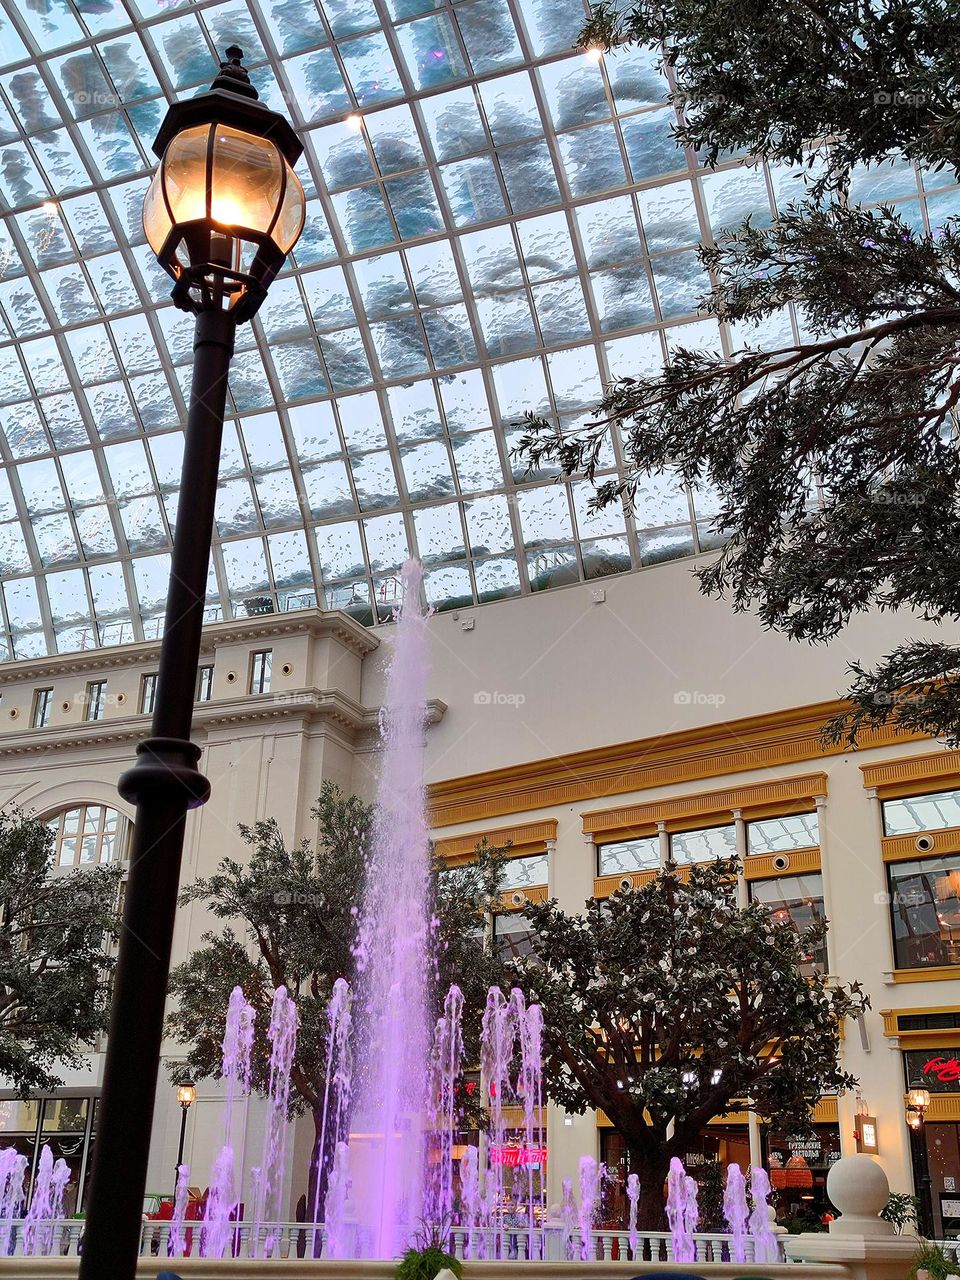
(186, 1096)
(222, 212)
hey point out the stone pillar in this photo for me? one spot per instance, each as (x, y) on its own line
(858, 1238)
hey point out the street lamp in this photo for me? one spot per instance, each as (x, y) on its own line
(916, 1103)
(222, 212)
(186, 1096)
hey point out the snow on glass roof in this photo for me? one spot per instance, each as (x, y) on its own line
(496, 222)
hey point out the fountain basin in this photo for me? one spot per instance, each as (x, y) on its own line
(302, 1269)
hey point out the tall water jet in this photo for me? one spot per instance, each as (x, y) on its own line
(497, 1038)
(678, 1213)
(633, 1196)
(337, 1085)
(177, 1240)
(224, 1195)
(568, 1216)
(766, 1248)
(48, 1187)
(470, 1193)
(393, 954)
(283, 1042)
(530, 1090)
(589, 1204)
(445, 1068)
(336, 1206)
(735, 1212)
(13, 1172)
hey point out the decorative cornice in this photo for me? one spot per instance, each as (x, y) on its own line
(524, 838)
(897, 777)
(635, 819)
(928, 1038)
(313, 622)
(310, 705)
(771, 740)
(933, 844)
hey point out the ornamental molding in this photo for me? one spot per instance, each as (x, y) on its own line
(773, 740)
(313, 707)
(315, 623)
(642, 819)
(899, 777)
(524, 838)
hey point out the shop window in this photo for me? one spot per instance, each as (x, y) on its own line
(96, 703)
(204, 684)
(148, 693)
(261, 668)
(703, 844)
(796, 900)
(42, 706)
(782, 835)
(512, 935)
(937, 1070)
(925, 907)
(921, 813)
(88, 834)
(798, 1174)
(623, 856)
(521, 873)
(63, 1123)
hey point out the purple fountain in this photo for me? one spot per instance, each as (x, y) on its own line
(393, 959)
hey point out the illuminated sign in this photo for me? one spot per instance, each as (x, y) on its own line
(515, 1157)
(866, 1134)
(946, 1070)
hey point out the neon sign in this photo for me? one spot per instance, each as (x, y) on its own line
(515, 1157)
(946, 1070)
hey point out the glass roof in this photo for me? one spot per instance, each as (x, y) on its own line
(496, 222)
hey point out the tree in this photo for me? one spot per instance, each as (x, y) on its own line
(55, 965)
(669, 1005)
(832, 455)
(289, 918)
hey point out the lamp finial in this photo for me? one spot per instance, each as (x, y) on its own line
(233, 75)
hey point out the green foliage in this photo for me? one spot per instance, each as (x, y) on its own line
(932, 1259)
(710, 1182)
(670, 1004)
(832, 457)
(423, 1264)
(287, 917)
(55, 966)
(900, 1210)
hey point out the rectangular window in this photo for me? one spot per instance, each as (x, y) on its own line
(42, 706)
(624, 856)
(921, 813)
(261, 666)
(204, 684)
(703, 844)
(796, 900)
(148, 692)
(96, 699)
(925, 906)
(512, 935)
(520, 873)
(781, 835)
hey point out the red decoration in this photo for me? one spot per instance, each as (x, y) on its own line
(946, 1070)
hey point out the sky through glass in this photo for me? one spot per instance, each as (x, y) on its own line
(495, 222)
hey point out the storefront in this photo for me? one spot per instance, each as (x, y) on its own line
(67, 1124)
(935, 1142)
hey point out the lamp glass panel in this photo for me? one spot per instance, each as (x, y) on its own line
(247, 180)
(289, 222)
(185, 174)
(156, 220)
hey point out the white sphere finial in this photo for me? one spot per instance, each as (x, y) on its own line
(858, 1187)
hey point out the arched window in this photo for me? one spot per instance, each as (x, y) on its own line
(88, 834)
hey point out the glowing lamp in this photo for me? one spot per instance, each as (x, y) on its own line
(919, 1099)
(186, 1093)
(225, 207)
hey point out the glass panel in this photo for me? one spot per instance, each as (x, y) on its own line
(777, 835)
(797, 901)
(642, 854)
(925, 906)
(185, 174)
(521, 873)
(247, 179)
(921, 813)
(703, 844)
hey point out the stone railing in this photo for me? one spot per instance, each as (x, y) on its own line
(288, 1240)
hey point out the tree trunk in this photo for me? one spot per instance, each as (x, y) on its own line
(651, 1169)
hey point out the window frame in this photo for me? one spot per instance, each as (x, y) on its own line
(266, 671)
(95, 701)
(204, 688)
(148, 692)
(42, 706)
